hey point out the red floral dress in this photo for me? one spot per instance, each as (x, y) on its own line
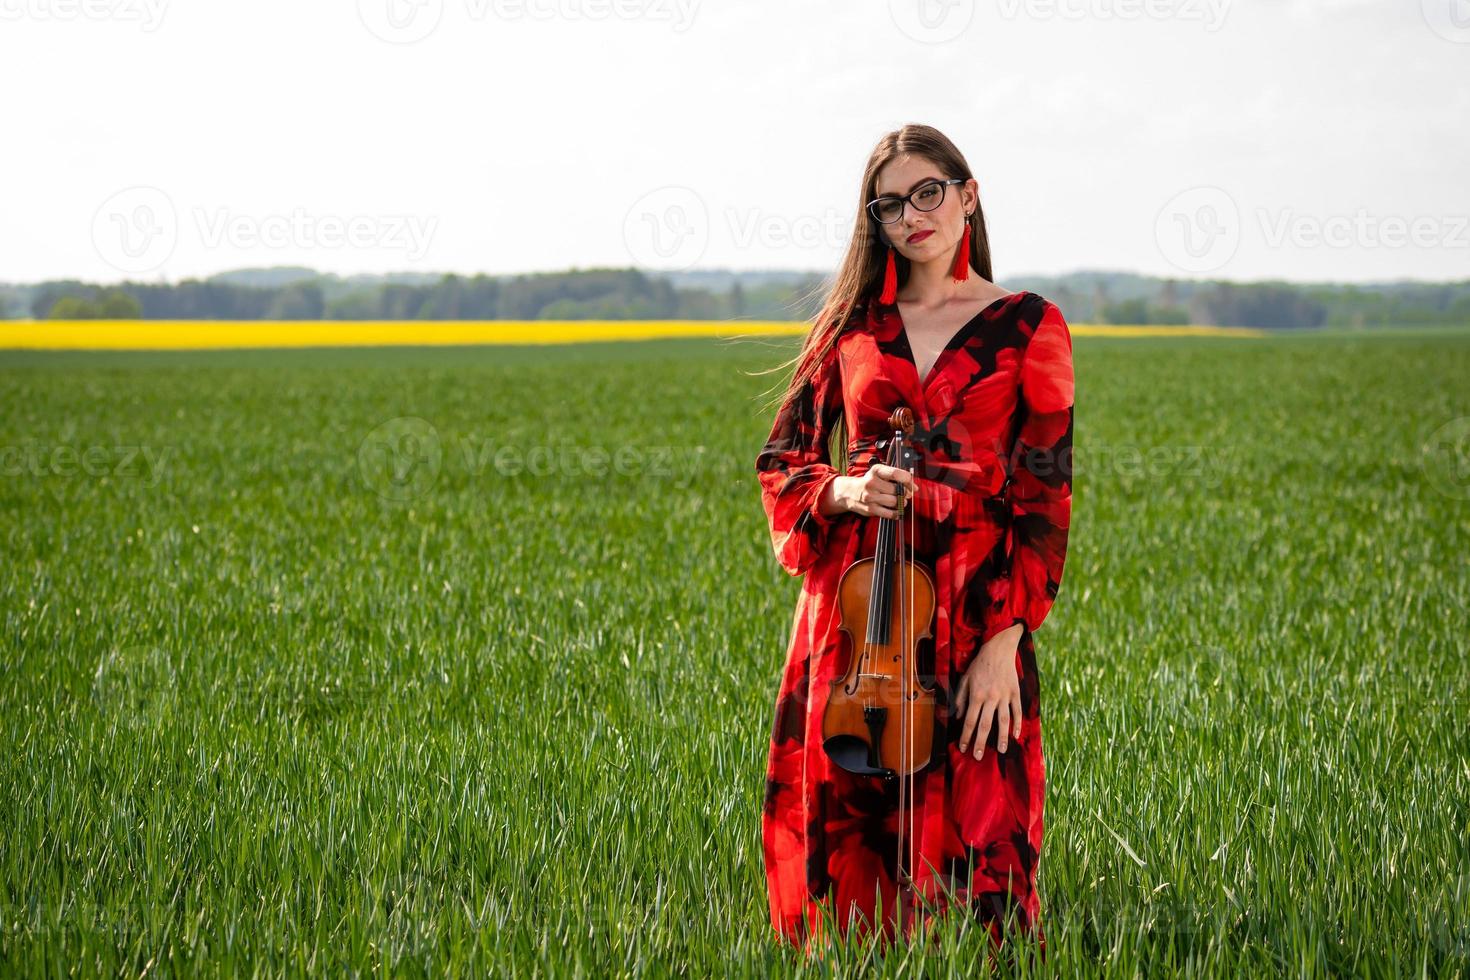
(993, 440)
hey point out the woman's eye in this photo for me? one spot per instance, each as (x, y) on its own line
(928, 192)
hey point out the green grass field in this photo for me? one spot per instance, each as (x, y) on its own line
(271, 704)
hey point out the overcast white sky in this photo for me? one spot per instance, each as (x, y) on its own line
(1250, 139)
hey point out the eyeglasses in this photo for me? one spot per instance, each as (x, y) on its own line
(927, 197)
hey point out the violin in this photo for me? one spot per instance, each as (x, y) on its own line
(880, 717)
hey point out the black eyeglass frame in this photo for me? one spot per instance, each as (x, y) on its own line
(908, 199)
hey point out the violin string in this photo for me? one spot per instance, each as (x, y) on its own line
(912, 652)
(903, 710)
(905, 758)
(928, 732)
(906, 813)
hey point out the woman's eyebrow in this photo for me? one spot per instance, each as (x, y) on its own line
(916, 183)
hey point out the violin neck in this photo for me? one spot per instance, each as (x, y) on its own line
(885, 560)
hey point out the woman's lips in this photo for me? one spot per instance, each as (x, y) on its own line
(919, 236)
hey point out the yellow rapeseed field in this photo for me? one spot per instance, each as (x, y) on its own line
(215, 334)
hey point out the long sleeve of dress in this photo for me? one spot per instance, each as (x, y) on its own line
(1041, 482)
(795, 467)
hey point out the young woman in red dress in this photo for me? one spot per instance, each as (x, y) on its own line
(913, 319)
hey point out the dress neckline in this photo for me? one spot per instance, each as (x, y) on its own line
(955, 341)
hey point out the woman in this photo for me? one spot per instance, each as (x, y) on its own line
(988, 376)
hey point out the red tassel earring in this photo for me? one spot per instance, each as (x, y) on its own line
(890, 280)
(962, 260)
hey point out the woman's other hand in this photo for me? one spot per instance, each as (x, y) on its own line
(990, 694)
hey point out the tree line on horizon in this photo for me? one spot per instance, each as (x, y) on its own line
(630, 294)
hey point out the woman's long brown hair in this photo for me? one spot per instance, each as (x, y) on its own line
(859, 279)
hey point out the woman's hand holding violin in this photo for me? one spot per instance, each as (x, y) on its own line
(873, 494)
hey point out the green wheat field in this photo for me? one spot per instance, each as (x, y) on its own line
(415, 661)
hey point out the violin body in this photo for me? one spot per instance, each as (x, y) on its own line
(880, 717)
(863, 729)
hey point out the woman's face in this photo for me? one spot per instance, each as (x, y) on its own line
(919, 235)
